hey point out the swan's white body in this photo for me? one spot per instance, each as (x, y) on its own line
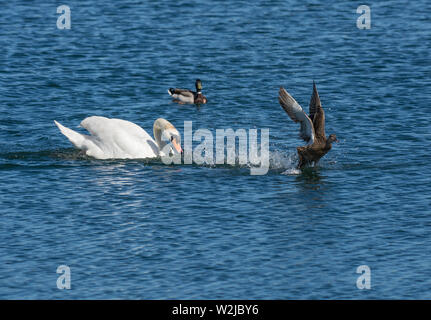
(117, 139)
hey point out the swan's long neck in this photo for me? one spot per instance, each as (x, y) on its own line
(158, 137)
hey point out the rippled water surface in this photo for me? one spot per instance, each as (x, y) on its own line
(143, 230)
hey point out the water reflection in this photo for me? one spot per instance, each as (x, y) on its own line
(311, 176)
(312, 187)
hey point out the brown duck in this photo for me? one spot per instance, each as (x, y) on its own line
(312, 127)
(183, 96)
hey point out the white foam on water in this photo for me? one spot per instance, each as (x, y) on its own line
(281, 160)
(293, 171)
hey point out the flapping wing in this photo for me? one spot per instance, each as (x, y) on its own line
(314, 102)
(317, 115)
(296, 113)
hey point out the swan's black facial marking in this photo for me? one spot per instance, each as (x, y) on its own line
(172, 138)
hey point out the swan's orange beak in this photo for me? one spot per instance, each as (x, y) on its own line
(177, 146)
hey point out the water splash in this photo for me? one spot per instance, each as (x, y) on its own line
(280, 160)
(292, 171)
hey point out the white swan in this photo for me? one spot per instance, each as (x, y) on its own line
(121, 139)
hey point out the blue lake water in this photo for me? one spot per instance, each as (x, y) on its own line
(133, 229)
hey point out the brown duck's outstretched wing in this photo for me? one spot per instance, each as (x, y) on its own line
(314, 102)
(317, 115)
(295, 112)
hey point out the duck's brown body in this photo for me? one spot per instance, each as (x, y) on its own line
(312, 127)
(311, 154)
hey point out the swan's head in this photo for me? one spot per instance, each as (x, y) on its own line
(167, 135)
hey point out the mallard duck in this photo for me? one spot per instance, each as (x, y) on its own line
(188, 96)
(312, 127)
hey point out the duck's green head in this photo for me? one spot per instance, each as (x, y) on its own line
(198, 85)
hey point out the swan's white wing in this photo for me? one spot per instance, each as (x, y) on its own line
(120, 138)
(82, 141)
(295, 112)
